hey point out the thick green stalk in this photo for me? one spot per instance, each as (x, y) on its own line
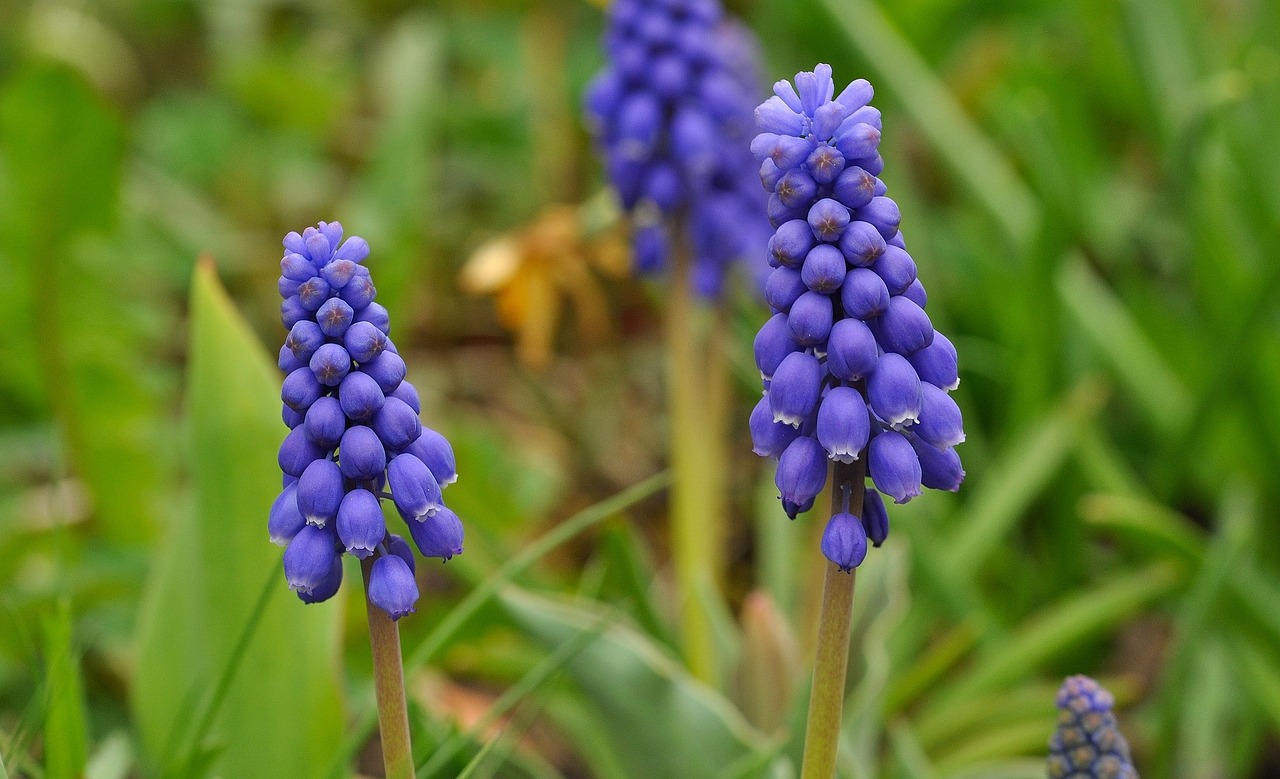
(831, 656)
(388, 682)
(697, 463)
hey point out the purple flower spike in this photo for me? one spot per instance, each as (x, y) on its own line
(392, 587)
(672, 116)
(1087, 741)
(355, 431)
(853, 369)
(844, 541)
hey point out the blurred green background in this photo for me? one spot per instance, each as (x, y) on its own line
(1092, 193)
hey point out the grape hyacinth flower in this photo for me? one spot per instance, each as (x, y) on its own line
(852, 367)
(672, 115)
(1087, 743)
(355, 437)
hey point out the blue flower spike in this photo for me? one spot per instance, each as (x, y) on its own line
(1087, 743)
(354, 433)
(853, 369)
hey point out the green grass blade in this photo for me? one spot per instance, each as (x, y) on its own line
(66, 738)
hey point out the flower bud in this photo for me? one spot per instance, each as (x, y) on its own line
(773, 344)
(338, 273)
(852, 352)
(824, 268)
(358, 293)
(896, 268)
(413, 487)
(796, 188)
(285, 520)
(791, 243)
(844, 541)
(858, 142)
(308, 559)
(408, 394)
(903, 328)
(292, 312)
(875, 519)
(861, 244)
(769, 438)
(940, 468)
(435, 452)
(936, 363)
(893, 391)
(387, 369)
(364, 341)
(300, 389)
(313, 292)
(439, 535)
(360, 396)
(802, 472)
(399, 547)
(396, 424)
(392, 587)
(303, 339)
(782, 288)
(330, 364)
(297, 268)
(325, 422)
(297, 452)
(828, 218)
(863, 294)
(794, 391)
(320, 491)
(940, 423)
(825, 164)
(361, 455)
(882, 213)
(360, 524)
(810, 319)
(334, 317)
(854, 188)
(289, 363)
(894, 466)
(376, 315)
(916, 294)
(843, 424)
(328, 586)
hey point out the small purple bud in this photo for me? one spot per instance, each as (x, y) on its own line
(828, 218)
(861, 244)
(825, 164)
(413, 487)
(776, 117)
(364, 341)
(936, 363)
(810, 318)
(916, 294)
(896, 268)
(769, 438)
(399, 547)
(941, 424)
(844, 541)
(783, 286)
(325, 422)
(334, 317)
(407, 393)
(320, 491)
(791, 243)
(313, 292)
(858, 142)
(287, 287)
(796, 188)
(640, 121)
(794, 390)
(297, 268)
(360, 396)
(893, 391)
(439, 535)
(318, 248)
(300, 389)
(815, 87)
(308, 559)
(855, 187)
(827, 119)
(786, 151)
(396, 424)
(288, 361)
(793, 510)
(330, 364)
(392, 587)
(843, 424)
(856, 95)
(387, 369)
(327, 587)
(779, 213)
(787, 93)
(291, 418)
(873, 165)
(376, 315)
(360, 523)
(802, 472)
(893, 466)
(361, 454)
(770, 173)
(285, 520)
(863, 294)
(940, 469)
(865, 115)
(303, 339)
(339, 272)
(904, 327)
(772, 345)
(852, 352)
(875, 519)
(354, 248)
(883, 214)
(434, 450)
(292, 312)
(824, 268)
(358, 293)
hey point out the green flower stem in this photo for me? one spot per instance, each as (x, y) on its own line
(388, 678)
(831, 656)
(695, 388)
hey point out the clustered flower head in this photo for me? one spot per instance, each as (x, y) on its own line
(851, 363)
(354, 432)
(1087, 743)
(672, 112)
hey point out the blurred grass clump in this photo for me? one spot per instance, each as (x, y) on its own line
(1093, 189)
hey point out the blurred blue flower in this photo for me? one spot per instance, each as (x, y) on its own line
(672, 115)
(1087, 743)
(354, 432)
(852, 366)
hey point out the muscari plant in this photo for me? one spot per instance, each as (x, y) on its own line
(355, 439)
(1087, 743)
(672, 115)
(856, 380)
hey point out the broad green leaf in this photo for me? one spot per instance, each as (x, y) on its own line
(282, 714)
(66, 740)
(657, 718)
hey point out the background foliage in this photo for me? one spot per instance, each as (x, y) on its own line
(1092, 191)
